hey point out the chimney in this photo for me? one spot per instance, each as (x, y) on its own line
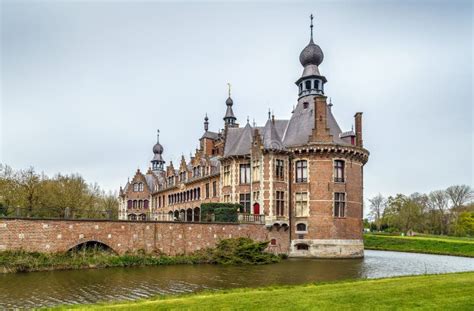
(358, 129)
(321, 130)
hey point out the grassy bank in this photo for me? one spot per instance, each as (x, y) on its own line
(421, 244)
(428, 292)
(239, 251)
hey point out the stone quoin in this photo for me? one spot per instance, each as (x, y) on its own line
(302, 177)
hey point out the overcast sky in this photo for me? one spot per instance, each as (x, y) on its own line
(84, 85)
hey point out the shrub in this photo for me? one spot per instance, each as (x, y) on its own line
(223, 212)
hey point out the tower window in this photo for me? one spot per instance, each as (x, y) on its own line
(305, 105)
(316, 84)
(301, 171)
(339, 171)
(301, 87)
(301, 227)
(339, 204)
(307, 85)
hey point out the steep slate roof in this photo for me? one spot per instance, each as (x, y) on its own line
(283, 133)
(238, 141)
(211, 135)
(271, 138)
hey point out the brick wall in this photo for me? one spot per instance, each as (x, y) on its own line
(168, 237)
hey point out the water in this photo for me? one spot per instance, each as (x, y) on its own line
(27, 290)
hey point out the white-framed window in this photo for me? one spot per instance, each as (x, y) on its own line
(280, 203)
(226, 175)
(227, 198)
(301, 171)
(301, 204)
(339, 168)
(339, 204)
(245, 173)
(245, 202)
(256, 170)
(279, 169)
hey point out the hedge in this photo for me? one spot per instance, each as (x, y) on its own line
(223, 212)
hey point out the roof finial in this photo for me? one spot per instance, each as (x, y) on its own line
(157, 136)
(311, 17)
(248, 120)
(330, 103)
(269, 113)
(229, 86)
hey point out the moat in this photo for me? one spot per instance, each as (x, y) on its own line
(28, 290)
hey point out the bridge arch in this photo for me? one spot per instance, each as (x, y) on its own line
(91, 244)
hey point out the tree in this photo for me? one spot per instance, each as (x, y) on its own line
(459, 194)
(439, 201)
(377, 207)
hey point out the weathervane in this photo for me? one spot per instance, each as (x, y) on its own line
(228, 85)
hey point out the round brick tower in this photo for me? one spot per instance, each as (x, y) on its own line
(326, 172)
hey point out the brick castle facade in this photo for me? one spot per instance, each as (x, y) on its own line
(302, 176)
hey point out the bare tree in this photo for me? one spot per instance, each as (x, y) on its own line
(439, 201)
(459, 195)
(377, 206)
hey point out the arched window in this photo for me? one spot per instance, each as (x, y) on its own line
(302, 246)
(316, 84)
(308, 85)
(301, 227)
(145, 204)
(135, 203)
(129, 204)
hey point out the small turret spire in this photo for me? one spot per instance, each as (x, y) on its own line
(206, 123)
(311, 17)
(158, 136)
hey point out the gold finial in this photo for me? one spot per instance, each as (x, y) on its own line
(229, 86)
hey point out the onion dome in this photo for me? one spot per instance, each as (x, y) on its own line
(229, 101)
(311, 54)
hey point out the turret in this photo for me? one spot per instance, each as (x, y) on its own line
(157, 163)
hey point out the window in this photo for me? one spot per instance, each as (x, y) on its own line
(244, 173)
(301, 171)
(339, 204)
(207, 190)
(129, 204)
(182, 176)
(245, 202)
(280, 203)
(339, 171)
(301, 204)
(140, 187)
(279, 169)
(301, 87)
(256, 170)
(135, 187)
(256, 195)
(316, 84)
(273, 242)
(196, 171)
(145, 204)
(170, 180)
(305, 105)
(301, 246)
(307, 85)
(226, 175)
(214, 189)
(227, 198)
(301, 227)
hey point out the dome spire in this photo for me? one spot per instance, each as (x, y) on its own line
(229, 117)
(157, 162)
(311, 17)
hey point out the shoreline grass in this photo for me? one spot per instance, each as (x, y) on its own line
(425, 292)
(239, 251)
(420, 244)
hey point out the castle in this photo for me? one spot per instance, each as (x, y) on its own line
(303, 176)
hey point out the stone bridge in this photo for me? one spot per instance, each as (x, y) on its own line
(171, 238)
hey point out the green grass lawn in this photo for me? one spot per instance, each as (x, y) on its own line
(427, 292)
(421, 244)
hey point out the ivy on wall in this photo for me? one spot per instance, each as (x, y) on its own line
(220, 212)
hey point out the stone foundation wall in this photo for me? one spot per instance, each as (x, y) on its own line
(328, 248)
(171, 238)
